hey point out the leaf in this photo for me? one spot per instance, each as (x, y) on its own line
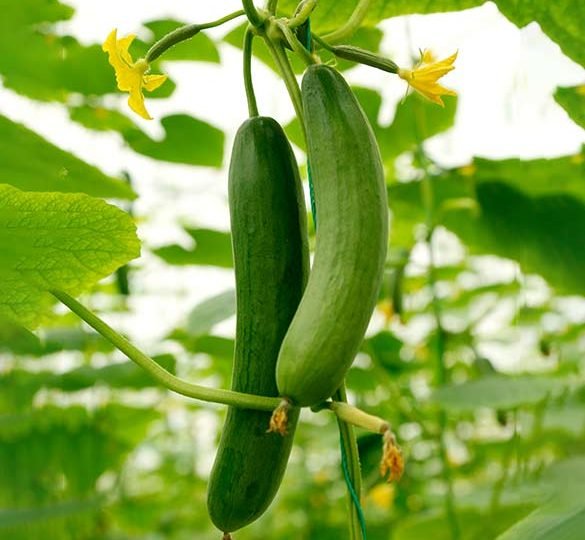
(212, 248)
(29, 516)
(187, 140)
(473, 524)
(331, 14)
(556, 521)
(497, 392)
(572, 99)
(415, 120)
(562, 21)
(17, 339)
(31, 163)
(537, 177)
(56, 241)
(546, 235)
(214, 310)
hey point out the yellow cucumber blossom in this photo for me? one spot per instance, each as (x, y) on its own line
(131, 76)
(424, 76)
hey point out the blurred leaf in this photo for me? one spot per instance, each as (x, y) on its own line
(333, 13)
(562, 21)
(56, 241)
(472, 524)
(546, 235)
(212, 248)
(187, 140)
(537, 177)
(572, 99)
(384, 349)
(210, 312)
(26, 517)
(31, 163)
(497, 392)
(17, 339)
(415, 120)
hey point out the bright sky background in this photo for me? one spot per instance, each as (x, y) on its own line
(505, 78)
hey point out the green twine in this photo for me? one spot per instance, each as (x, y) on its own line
(352, 493)
(346, 475)
(309, 46)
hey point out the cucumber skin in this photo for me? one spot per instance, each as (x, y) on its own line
(271, 257)
(351, 242)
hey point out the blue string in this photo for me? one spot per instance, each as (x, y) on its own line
(347, 476)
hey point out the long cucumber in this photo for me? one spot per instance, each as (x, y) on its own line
(351, 241)
(268, 220)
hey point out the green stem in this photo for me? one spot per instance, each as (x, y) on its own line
(350, 451)
(185, 32)
(352, 24)
(252, 13)
(295, 44)
(302, 14)
(227, 397)
(363, 56)
(248, 83)
(271, 6)
(279, 55)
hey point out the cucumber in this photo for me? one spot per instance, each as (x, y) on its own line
(351, 242)
(270, 248)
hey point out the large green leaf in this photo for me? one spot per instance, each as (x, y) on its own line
(210, 312)
(212, 248)
(572, 99)
(31, 163)
(497, 392)
(532, 212)
(56, 241)
(537, 177)
(561, 20)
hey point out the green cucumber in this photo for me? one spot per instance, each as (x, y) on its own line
(351, 241)
(271, 259)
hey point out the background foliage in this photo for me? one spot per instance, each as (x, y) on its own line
(475, 354)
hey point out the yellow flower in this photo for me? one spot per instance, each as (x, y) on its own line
(424, 76)
(131, 76)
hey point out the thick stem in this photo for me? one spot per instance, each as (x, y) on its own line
(183, 33)
(302, 14)
(272, 6)
(295, 44)
(279, 55)
(248, 83)
(252, 13)
(170, 381)
(352, 24)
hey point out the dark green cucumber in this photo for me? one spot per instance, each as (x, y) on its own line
(269, 240)
(351, 241)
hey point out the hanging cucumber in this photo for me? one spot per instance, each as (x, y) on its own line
(352, 236)
(271, 259)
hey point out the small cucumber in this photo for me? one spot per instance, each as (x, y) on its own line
(269, 239)
(351, 241)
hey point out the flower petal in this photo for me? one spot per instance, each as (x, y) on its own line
(152, 82)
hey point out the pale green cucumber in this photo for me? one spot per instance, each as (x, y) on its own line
(351, 242)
